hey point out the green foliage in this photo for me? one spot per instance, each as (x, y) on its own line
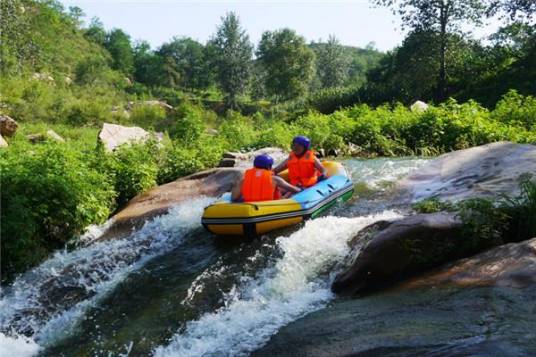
(50, 194)
(332, 63)
(516, 110)
(238, 131)
(189, 60)
(133, 168)
(148, 116)
(487, 223)
(118, 44)
(231, 53)
(188, 125)
(288, 62)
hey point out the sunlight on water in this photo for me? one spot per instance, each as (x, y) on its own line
(298, 283)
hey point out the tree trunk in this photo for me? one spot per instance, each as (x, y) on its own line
(442, 80)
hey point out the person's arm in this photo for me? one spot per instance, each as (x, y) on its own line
(236, 192)
(318, 165)
(282, 166)
(285, 186)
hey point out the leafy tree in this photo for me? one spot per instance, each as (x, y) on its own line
(516, 10)
(231, 53)
(76, 14)
(118, 44)
(332, 63)
(288, 62)
(148, 66)
(189, 60)
(409, 72)
(442, 16)
(96, 32)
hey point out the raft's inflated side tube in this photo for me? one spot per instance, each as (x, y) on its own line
(253, 218)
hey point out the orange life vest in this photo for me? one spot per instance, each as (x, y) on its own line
(258, 185)
(301, 170)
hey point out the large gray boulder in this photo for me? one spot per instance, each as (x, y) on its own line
(403, 247)
(8, 126)
(483, 171)
(112, 135)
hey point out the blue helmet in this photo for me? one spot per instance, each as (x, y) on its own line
(263, 161)
(302, 141)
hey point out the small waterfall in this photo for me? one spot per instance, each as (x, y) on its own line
(47, 302)
(296, 284)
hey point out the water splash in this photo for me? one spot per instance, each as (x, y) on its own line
(50, 299)
(20, 346)
(298, 283)
(379, 172)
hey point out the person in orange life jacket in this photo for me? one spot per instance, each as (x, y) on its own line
(260, 184)
(303, 166)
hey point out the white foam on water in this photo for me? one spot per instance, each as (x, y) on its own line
(20, 346)
(375, 172)
(94, 232)
(298, 283)
(95, 270)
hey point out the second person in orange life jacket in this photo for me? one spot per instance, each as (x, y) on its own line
(260, 184)
(304, 168)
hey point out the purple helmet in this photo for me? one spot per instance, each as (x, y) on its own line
(302, 141)
(263, 161)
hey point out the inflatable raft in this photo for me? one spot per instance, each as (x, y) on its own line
(254, 218)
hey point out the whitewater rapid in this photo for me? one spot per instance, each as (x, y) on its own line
(296, 284)
(284, 280)
(29, 320)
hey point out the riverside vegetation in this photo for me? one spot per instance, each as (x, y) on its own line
(52, 191)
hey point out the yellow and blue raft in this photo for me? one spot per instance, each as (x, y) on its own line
(253, 218)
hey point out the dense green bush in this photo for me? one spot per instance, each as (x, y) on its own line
(49, 194)
(148, 116)
(133, 169)
(515, 109)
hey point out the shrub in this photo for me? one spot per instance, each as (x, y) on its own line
(238, 131)
(187, 125)
(517, 110)
(50, 194)
(148, 116)
(133, 169)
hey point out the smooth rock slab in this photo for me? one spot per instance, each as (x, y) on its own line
(483, 171)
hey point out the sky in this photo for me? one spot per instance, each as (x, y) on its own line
(353, 22)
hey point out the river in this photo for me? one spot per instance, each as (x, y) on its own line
(171, 289)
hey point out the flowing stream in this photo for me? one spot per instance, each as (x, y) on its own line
(171, 289)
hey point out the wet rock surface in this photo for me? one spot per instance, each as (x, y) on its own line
(404, 247)
(483, 321)
(510, 265)
(483, 171)
(159, 200)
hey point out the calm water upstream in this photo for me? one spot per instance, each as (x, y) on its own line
(171, 289)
